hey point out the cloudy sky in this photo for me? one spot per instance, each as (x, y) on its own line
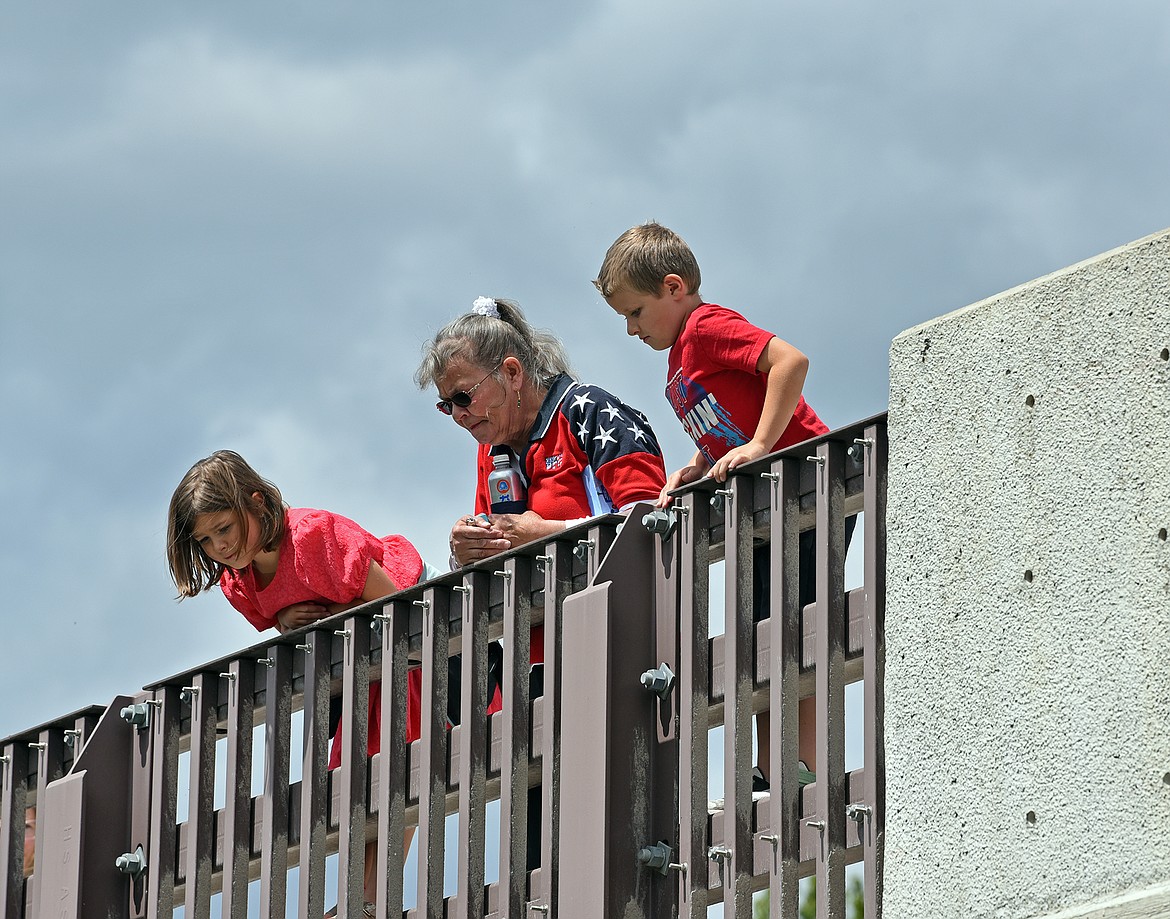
(233, 225)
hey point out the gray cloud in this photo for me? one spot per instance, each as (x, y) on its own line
(233, 226)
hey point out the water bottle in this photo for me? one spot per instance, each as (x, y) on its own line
(506, 488)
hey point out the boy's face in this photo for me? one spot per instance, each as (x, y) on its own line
(655, 318)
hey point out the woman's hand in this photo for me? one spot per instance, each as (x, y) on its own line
(300, 614)
(521, 528)
(475, 538)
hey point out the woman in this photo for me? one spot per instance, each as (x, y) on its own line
(579, 450)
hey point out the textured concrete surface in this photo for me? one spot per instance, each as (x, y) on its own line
(1028, 651)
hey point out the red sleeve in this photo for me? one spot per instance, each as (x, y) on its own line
(635, 477)
(729, 340)
(400, 560)
(332, 555)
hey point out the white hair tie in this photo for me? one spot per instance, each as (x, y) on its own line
(485, 306)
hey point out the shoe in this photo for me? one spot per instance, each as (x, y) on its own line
(804, 776)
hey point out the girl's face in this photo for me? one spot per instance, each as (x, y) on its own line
(223, 540)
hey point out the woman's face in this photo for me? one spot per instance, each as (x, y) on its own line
(492, 417)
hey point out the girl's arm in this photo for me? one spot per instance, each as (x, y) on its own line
(786, 368)
(378, 584)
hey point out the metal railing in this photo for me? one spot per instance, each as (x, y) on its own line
(609, 779)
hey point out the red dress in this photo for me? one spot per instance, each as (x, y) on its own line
(325, 558)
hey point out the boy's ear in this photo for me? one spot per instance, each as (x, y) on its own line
(674, 287)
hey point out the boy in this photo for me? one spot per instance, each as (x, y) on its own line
(736, 389)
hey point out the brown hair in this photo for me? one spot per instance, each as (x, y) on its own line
(642, 256)
(220, 482)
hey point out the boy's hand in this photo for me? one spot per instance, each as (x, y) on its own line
(682, 477)
(735, 458)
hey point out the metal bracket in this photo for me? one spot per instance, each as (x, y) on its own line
(132, 863)
(583, 548)
(137, 715)
(661, 522)
(660, 681)
(720, 499)
(657, 858)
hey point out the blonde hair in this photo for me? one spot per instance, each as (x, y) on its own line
(642, 256)
(484, 340)
(220, 482)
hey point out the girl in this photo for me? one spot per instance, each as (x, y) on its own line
(284, 567)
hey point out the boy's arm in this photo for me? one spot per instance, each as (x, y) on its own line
(786, 368)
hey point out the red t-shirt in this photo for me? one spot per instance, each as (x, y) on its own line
(714, 387)
(326, 558)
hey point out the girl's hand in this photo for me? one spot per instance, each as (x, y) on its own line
(682, 477)
(474, 538)
(300, 614)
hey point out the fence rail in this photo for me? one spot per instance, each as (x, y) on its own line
(602, 785)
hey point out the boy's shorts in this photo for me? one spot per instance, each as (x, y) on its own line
(807, 591)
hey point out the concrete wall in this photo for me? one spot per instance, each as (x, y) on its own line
(1028, 654)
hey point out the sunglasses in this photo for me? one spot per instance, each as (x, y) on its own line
(463, 399)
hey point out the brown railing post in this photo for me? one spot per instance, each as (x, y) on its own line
(558, 582)
(352, 774)
(432, 785)
(517, 575)
(49, 749)
(473, 746)
(13, 802)
(316, 649)
(831, 792)
(394, 756)
(275, 805)
(694, 700)
(784, 689)
(734, 857)
(237, 811)
(164, 767)
(203, 697)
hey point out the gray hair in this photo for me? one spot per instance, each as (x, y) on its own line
(485, 341)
